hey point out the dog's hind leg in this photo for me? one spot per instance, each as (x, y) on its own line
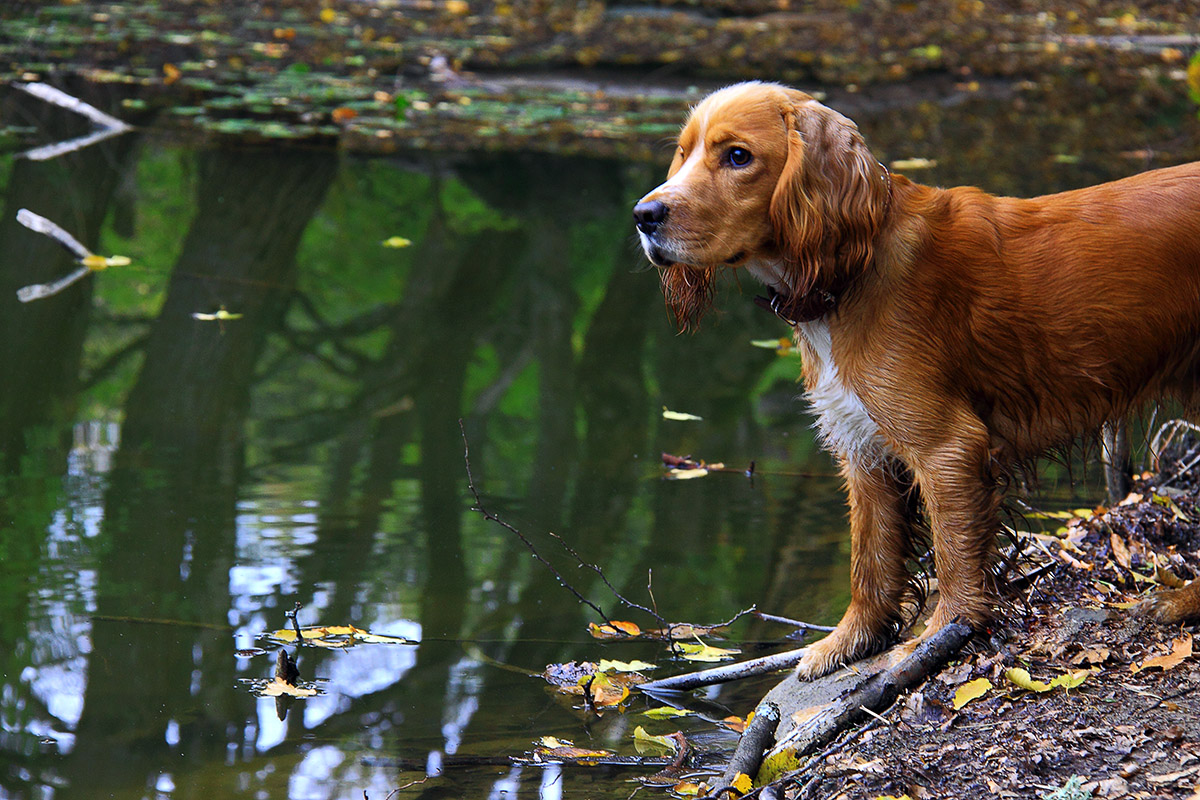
(882, 516)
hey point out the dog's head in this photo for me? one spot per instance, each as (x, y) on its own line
(763, 177)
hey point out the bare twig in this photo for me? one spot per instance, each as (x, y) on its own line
(295, 612)
(599, 572)
(398, 789)
(795, 623)
(479, 507)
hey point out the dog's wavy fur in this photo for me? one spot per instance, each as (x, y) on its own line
(966, 334)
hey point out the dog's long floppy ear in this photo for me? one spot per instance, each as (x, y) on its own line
(831, 197)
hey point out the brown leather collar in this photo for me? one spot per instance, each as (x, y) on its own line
(817, 302)
(792, 310)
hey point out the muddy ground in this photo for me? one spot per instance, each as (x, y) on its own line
(1131, 728)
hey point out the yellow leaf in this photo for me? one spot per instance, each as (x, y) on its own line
(396, 241)
(376, 638)
(699, 651)
(1069, 680)
(970, 691)
(622, 666)
(680, 416)
(570, 752)
(328, 15)
(551, 742)
(458, 7)
(665, 712)
(604, 691)
(644, 742)
(776, 764)
(742, 782)
(686, 474)
(336, 635)
(686, 789)
(1181, 650)
(277, 687)
(1023, 680)
(614, 629)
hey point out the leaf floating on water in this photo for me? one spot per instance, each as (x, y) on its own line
(336, 636)
(220, 315)
(667, 712)
(565, 749)
(604, 690)
(684, 630)
(396, 241)
(249, 652)
(623, 666)
(570, 674)
(614, 629)
(679, 416)
(699, 651)
(646, 743)
(88, 261)
(278, 688)
(686, 474)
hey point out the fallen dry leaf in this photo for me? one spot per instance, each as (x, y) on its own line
(1181, 650)
(614, 629)
(1093, 655)
(278, 687)
(1120, 550)
(971, 691)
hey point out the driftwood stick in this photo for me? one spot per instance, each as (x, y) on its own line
(756, 740)
(877, 692)
(725, 673)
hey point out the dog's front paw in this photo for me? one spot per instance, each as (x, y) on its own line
(844, 646)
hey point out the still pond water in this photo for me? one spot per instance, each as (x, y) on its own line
(170, 487)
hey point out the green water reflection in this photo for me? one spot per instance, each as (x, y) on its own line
(170, 487)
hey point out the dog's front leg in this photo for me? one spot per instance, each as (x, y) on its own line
(962, 501)
(882, 512)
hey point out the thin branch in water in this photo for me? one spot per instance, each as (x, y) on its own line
(596, 569)
(479, 507)
(795, 623)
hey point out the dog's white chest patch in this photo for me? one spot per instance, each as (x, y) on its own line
(843, 422)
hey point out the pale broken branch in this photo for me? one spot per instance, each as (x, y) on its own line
(109, 125)
(725, 673)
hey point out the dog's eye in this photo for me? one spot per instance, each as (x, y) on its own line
(738, 157)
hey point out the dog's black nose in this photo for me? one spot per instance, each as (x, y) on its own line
(647, 216)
